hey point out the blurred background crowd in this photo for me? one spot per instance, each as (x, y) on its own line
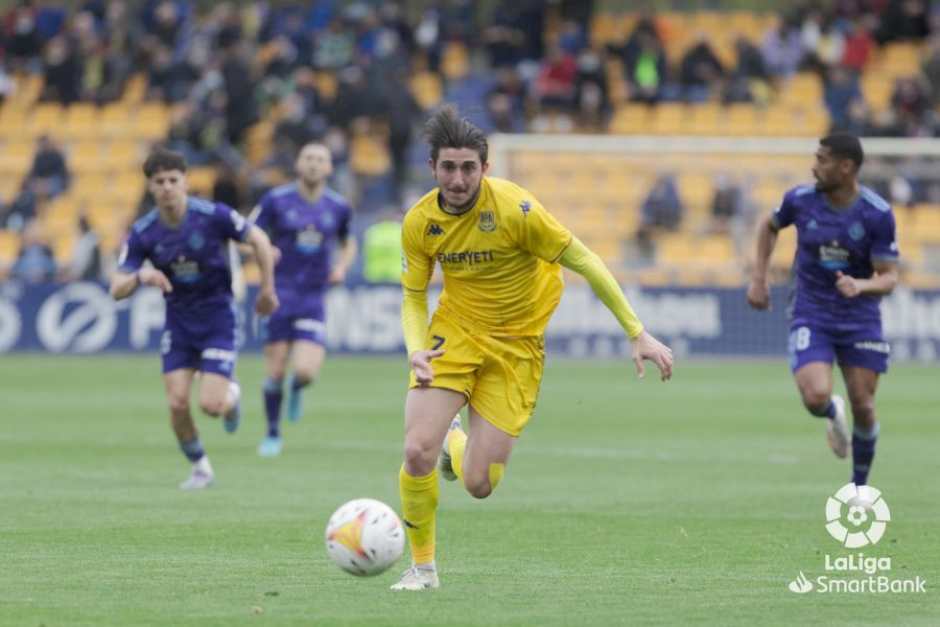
(87, 87)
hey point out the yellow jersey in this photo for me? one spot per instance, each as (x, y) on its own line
(499, 259)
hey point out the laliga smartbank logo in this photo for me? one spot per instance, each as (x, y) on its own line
(856, 517)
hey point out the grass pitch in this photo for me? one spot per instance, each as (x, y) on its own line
(625, 502)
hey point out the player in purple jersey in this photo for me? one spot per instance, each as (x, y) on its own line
(186, 241)
(304, 219)
(846, 260)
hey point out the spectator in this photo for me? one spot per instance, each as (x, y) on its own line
(840, 90)
(661, 211)
(700, 70)
(86, 263)
(35, 263)
(749, 80)
(859, 45)
(62, 70)
(647, 75)
(726, 204)
(782, 49)
(381, 249)
(49, 175)
(555, 85)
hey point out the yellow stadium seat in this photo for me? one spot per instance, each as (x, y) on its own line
(47, 119)
(115, 121)
(81, 121)
(455, 62)
(16, 157)
(631, 119)
(705, 119)
(9, 246)
(368, 155)
(427, 89)
(741, 120)
(923, 224)
(668, 118)
(785, 250)
(135, 89)
(85, 157)
(13, 122)
(201, 180)
(682, 249)
(152, 121)
(877, 89)
(120, 156)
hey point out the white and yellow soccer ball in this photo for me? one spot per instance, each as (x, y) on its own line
(365, 537)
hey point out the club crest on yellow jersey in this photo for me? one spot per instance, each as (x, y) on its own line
(487, 221)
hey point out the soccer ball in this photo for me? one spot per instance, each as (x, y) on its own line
(364, 537)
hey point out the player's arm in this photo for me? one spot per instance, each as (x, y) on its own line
(579, 258)
(261, 249)
(260, 218)
(123, 284)
(131, 272)
(417, 267)
(758, 292)
(881, 283)
(347, 252)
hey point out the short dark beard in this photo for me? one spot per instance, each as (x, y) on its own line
(464, 208)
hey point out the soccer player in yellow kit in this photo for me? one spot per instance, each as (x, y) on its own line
(501, 254)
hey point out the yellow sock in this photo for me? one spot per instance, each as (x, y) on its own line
(456, 444)
(419, 507)
(496, 473)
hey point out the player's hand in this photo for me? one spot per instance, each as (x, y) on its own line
(152, 276)
(337, 275)
(847, 285)
(758, 294)
(421, 364)
(645, 346)
(267, 302)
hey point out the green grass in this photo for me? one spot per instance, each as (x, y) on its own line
(625, 502)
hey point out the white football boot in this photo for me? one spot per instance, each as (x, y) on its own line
(837, 429)
(418, 578)
(201, 477)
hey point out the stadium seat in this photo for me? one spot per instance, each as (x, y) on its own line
(201, 180)
(152, 121)
(455, 61)
(741, 120)
(368, 155)
(427, 89)
(668, 118)
(13, 122)
(46, 119)
(115, 121)
(705, 119)
(135, 90)
(81, 121)
(9, 246)
(84, 157)
(118, 155)
(16, 157)
(631, 119)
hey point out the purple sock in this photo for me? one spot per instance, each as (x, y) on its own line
(863, 452)
(273, 394)
(193, 450)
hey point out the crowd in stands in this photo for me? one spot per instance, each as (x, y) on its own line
(344, 72)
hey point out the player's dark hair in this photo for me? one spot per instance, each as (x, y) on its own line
(447, 129)
(161, 159)
(844, 146)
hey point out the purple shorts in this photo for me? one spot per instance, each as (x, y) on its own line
(293, 323)
(862, 346)
(208, 346)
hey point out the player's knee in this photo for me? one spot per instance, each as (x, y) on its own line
(303, 376)
(212, 406)
(478, 487)
(864, 412)
(178, 403)
(276, 373)
(816, 399)
(420, 456)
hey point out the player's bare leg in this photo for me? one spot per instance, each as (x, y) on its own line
(307, 359)
(428, 412)
(485, 456)
(220, 396)
(862, 384)
(815, 383)
(275, 362)
(178, 384)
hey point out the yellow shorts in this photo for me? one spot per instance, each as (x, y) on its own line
(500, 376)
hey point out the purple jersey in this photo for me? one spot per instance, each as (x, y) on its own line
(830, 241)
(194, 257)
(305, 233)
